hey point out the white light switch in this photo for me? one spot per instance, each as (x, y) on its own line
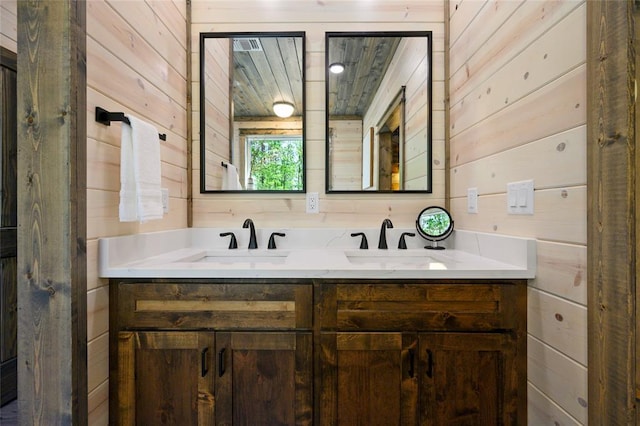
(472, 200)
(520, 197)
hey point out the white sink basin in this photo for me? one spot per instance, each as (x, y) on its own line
(390, 257)
(228, 257)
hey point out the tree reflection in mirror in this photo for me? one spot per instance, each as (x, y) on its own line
(274, 163)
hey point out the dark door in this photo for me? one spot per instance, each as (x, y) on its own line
(165, 378)
(369, 378)
(469, 379)
(263, 378)
(8, 231)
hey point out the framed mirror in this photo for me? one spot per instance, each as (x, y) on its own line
(379, 111)
(434, 224)
(252, 103)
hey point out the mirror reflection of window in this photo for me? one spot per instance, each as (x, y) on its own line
(252, 84)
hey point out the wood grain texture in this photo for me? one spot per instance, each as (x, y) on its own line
(8, 231)
(8, 25)
(161, 380)
(455, 363)
(388, 367)
(558, 323)
(561, 379)
(612, 257)
(366, 380)
(52, 207)
(187, 305)
(266, 379)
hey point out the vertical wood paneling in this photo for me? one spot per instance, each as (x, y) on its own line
(52, 333)
(518, 111)
(612, 158)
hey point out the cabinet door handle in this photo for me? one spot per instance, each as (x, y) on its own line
(203, 362)
(429, 364)
(411, 363)
(221, 362)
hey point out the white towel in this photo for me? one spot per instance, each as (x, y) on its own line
(230, 178)
(140, 174)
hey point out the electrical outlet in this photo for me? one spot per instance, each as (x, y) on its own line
(165, 200)
(313, 203)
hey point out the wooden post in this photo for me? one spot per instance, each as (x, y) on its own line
(52, 331)
(612, 229)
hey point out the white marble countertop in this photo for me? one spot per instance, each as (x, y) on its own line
(314, 253)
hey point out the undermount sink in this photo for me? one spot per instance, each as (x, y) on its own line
(390, 257)
(229, 257)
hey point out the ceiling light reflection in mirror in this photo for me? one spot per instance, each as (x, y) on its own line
(379, 112)
(252, 112)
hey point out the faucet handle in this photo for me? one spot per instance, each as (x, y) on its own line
(402, 244)
(363, 243)
(272, 240)
(233, 244)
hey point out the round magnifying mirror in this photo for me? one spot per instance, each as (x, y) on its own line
(434, 224)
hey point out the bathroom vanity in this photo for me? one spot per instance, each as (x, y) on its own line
(340, 339)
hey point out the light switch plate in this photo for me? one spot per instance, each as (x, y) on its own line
(165, 200)
(472, 200)
(520, 197)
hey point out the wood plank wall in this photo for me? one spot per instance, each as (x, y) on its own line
(137, 64)
(518, 111)
(9, 25)
(218, 109)
(315, 18)
(502, 132)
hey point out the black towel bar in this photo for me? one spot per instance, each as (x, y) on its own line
(105, 117)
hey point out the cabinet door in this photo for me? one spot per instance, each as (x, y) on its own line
(264, 378)
(469, 379)
(165, 378)
(368, 378)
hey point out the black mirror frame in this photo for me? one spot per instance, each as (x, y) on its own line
(206, 35)
(429, 36)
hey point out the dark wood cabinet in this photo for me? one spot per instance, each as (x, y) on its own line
(368, 378)
(204, 353)
(468, 379)
(164, 378)
(264, 378)
(421, 352)
(329, 352)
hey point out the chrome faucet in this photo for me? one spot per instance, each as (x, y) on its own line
(253, 243)
(382, 243)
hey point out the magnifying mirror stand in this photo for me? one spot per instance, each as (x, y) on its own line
(434, 246)
(434, 224)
